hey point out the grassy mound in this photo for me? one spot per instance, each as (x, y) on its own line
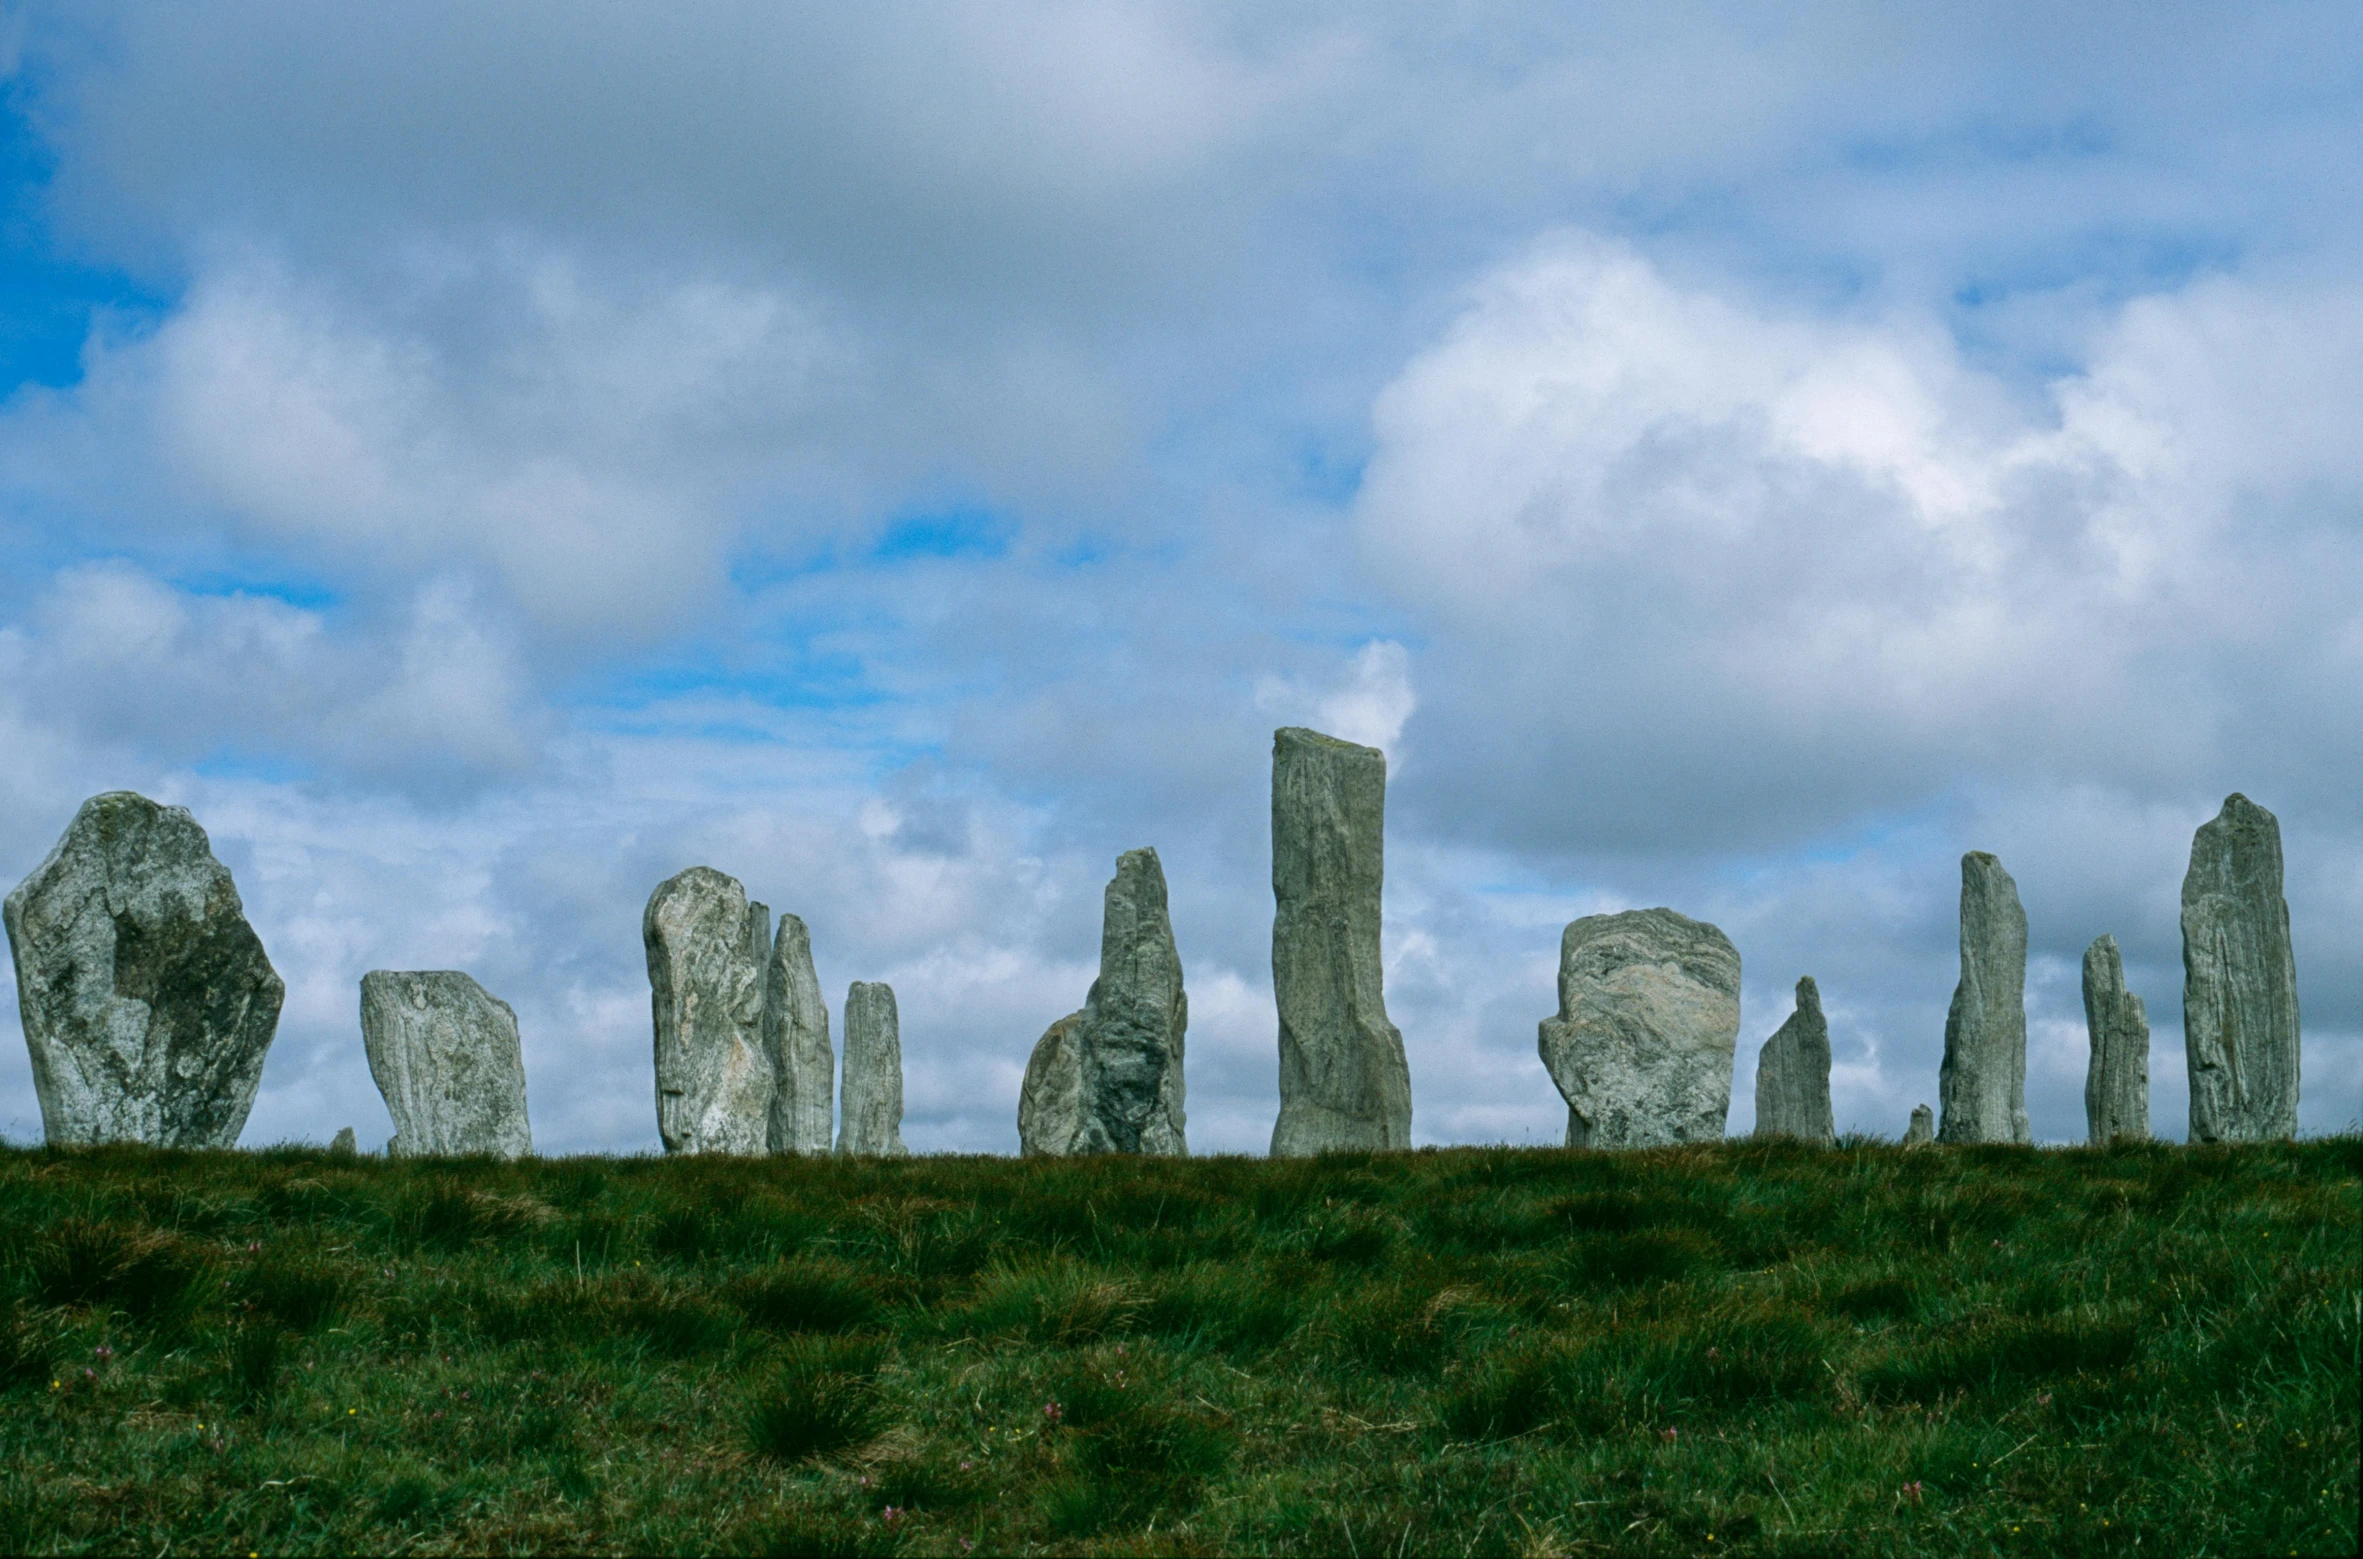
(1734, 1348)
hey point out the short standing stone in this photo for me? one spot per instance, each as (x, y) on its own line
(1793, 1074)
(1648, 1023)
(2117, 1084)
(873, 1125)
(445, 1054)
(1050, 1105)
(1922, 1131)
(1343, 1080)
(707, 947)
(1130, 1044)
(1983, 1082)
(146, 999)
(345, 1145)
(796, 1037)
(2239, 990)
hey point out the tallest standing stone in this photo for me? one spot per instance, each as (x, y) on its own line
(2239, 991)
(1343, 1081)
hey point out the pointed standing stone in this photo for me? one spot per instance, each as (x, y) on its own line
(345, 1145)
(1648, 1024)
(1793, 1074)
(445, 1054)
(2239, 987)
(2117, 1085)
(1922, 1131)
(1343, 1079)
(707, 948)
(1050, 1105)
(1130, 1042)
(796, 1037)
(146, 1000)
(873, 1074)
(1983, 1082)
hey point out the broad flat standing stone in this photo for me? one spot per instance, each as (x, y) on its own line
(445, 1054)
(1983, 1082)
(1648, 1024)
(796, 1037)
(1130, 1042)
(1050, 1105)
(2117, 1085)
(1793, 1074)
(1922, 1131)
(707, 947)
(1343, 1080)
(345, 1145)
(873, 1124)
(2239, 980)
(147, 1002)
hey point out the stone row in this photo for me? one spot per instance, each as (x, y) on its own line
(148, 1006)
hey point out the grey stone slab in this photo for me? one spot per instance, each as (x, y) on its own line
(147, 1002)
(1922, 1131)
(1982, 1085)
(1343, 1079)
(707, 952)
(1647, 1028)
(345, 1145)
(873, 1124)
(1793, 1074)
(796, 1037)
(1050, 1105)
(2240, 1027)
(445, 1054)
(1130, 1043)
(2117, 1083)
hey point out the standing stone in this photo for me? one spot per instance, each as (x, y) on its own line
(445, 1054)
(2117, 1085)
(1050, 1105)
(345, 1145)
(1793, 1074)
(2239, 981)
(1983, 1082)
(1648, 1024)
(1343, 1079)
(1922, 1131)
(707, 948)
(146, 999)
(796, 1037)
(1130, 1042)
(873, 1074)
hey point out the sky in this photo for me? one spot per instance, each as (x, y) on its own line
(485, 458)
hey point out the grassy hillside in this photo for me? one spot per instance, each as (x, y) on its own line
(1717, 1350)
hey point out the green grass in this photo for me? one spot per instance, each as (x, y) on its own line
(1726, 1349)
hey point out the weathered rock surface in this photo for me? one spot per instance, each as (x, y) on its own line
(873, 1125)
(346, 1144)
(1793, 1074)
(2239, 982)
(1050, 1105)
(707, 948)
(1648, 1024)
(2117, 1084)
(1130, 1042)
(1343, 1080)
(1983, 1082)
(445, 1054)
(796, 1038)
(146, 999)
(1922, 1131)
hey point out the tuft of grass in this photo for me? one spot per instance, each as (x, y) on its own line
(822, 1398)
